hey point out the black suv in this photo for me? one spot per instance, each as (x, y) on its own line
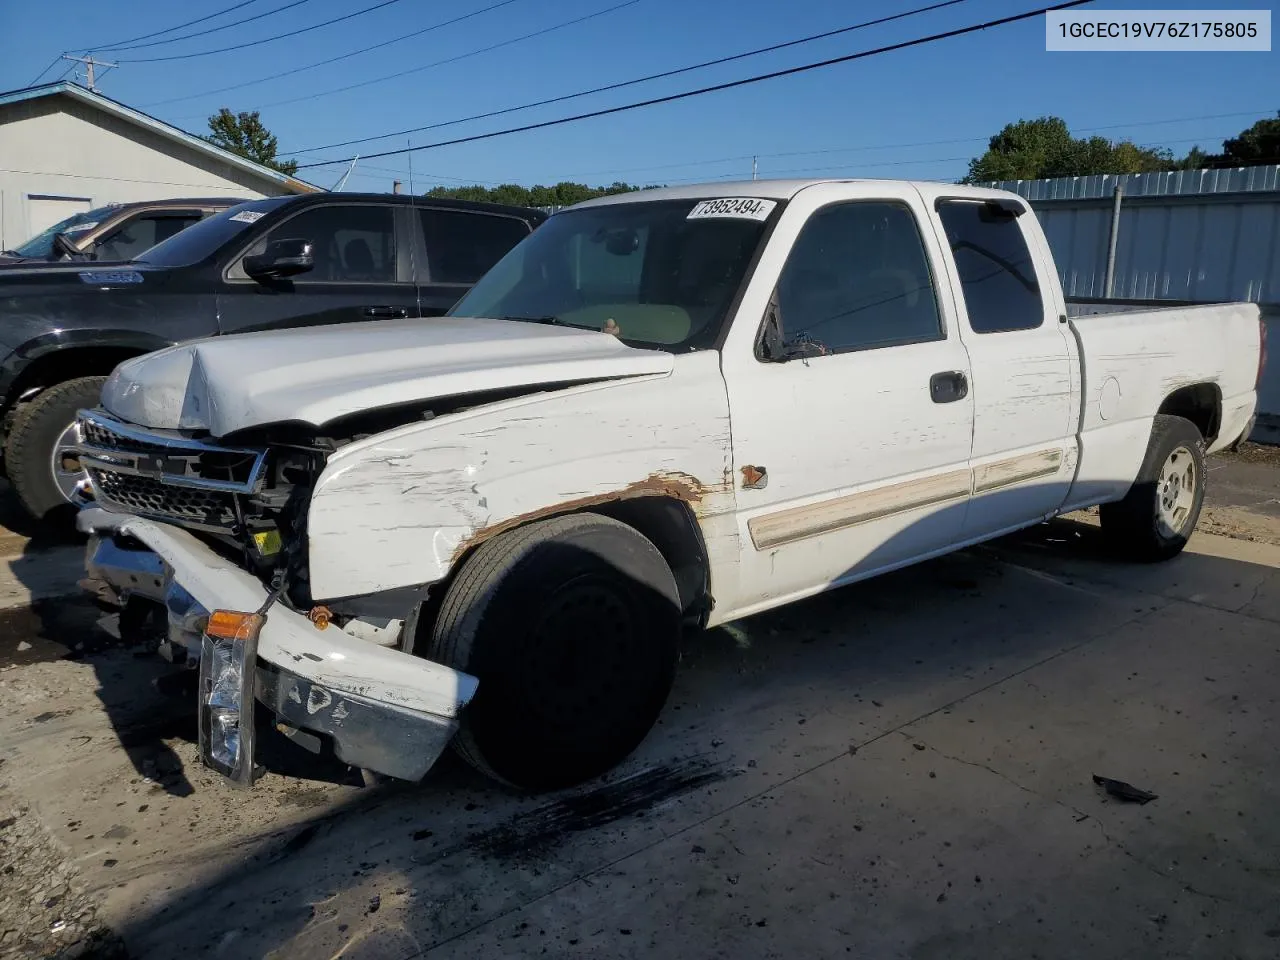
(118, 231)
(281, 262)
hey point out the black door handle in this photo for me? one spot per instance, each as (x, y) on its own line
(949, 386)
(385, 313)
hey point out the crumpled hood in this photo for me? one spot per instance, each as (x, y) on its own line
(315, 375)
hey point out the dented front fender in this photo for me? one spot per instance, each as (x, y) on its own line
(399, 509)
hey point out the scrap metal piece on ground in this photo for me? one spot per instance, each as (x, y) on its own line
(1123, 791)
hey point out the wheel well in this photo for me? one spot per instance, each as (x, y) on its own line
(1200, 403)
(666, 522)
(63, 365)
(670, 525)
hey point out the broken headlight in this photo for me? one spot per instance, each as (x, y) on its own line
(228, 673)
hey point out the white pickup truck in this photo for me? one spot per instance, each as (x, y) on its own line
(679, 406)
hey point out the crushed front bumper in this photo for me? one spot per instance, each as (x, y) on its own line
(384, 710)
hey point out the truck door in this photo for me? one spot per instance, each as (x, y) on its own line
(363, 271)
(850, 440)
(1025, 393)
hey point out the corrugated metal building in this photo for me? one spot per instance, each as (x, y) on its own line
(65, 149)
(1184, 235)
(1205, 235)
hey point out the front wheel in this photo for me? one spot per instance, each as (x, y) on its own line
(571, 625)
(40, 456)
(1155, 520)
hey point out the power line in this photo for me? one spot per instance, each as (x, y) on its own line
(440, 63)
(189, 23)
(52, 63)
(344, 56)
(901, 146)
(278, 36)
(830, 150)
(205, 33)
(758, 78)
(638, 80)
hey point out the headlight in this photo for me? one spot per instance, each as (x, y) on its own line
(228, 672)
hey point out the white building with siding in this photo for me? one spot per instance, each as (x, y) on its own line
(65, 149)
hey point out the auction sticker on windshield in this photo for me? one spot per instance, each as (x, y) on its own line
(740, 208)
(247, 216)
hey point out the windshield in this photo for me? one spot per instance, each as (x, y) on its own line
(657, 274)
(40, 246)
(202, 239)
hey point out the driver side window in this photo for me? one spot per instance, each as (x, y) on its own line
(351, 244)
(858, 278)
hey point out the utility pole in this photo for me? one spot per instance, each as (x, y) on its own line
(753, 168)
(409, 144)
(89, 64)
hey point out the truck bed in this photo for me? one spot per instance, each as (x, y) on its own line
(1137, 356)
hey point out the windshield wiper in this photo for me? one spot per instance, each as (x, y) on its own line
(552, 320)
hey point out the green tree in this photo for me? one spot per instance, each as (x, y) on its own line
(1255, 146)
(564, 193)
(1042, 148)
(243, 134)
(1194, 160)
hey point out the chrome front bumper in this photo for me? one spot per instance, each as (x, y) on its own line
(384, 710)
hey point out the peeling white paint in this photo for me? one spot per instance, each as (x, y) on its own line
(373, 526)
(317, 699)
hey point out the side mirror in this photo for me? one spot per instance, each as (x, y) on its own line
(282, 258)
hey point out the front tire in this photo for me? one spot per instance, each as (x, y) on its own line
(571, 626)
(1155, 520)
(39, 456)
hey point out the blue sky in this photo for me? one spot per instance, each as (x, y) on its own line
(883, 116)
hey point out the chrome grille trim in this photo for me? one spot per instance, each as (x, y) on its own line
(111, 446)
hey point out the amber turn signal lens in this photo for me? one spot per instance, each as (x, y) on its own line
(231, 624)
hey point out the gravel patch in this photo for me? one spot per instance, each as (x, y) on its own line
(44, 912)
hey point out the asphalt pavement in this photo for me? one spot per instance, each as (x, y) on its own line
(902, 768)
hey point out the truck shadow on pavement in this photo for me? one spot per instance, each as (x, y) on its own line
(149, 703)
(399, 869)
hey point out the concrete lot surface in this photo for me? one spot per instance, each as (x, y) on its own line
(902, 768)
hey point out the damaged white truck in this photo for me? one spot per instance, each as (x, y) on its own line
(673, 407)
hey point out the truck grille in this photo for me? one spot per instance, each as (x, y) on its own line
(153, 498)
(163, 475)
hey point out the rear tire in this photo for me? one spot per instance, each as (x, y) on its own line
(571, 626)
(39, 432)
(1155, 520)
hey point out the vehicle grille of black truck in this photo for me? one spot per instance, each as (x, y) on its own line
(164, 475)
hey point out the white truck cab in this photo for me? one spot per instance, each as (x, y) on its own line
(667, 407)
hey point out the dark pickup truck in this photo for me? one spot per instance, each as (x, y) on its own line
(280, 262)
(119, 231)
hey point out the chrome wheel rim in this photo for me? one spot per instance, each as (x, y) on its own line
(64, 462)
(1176, 492)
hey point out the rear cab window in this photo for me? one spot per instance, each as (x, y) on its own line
(995, 266)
